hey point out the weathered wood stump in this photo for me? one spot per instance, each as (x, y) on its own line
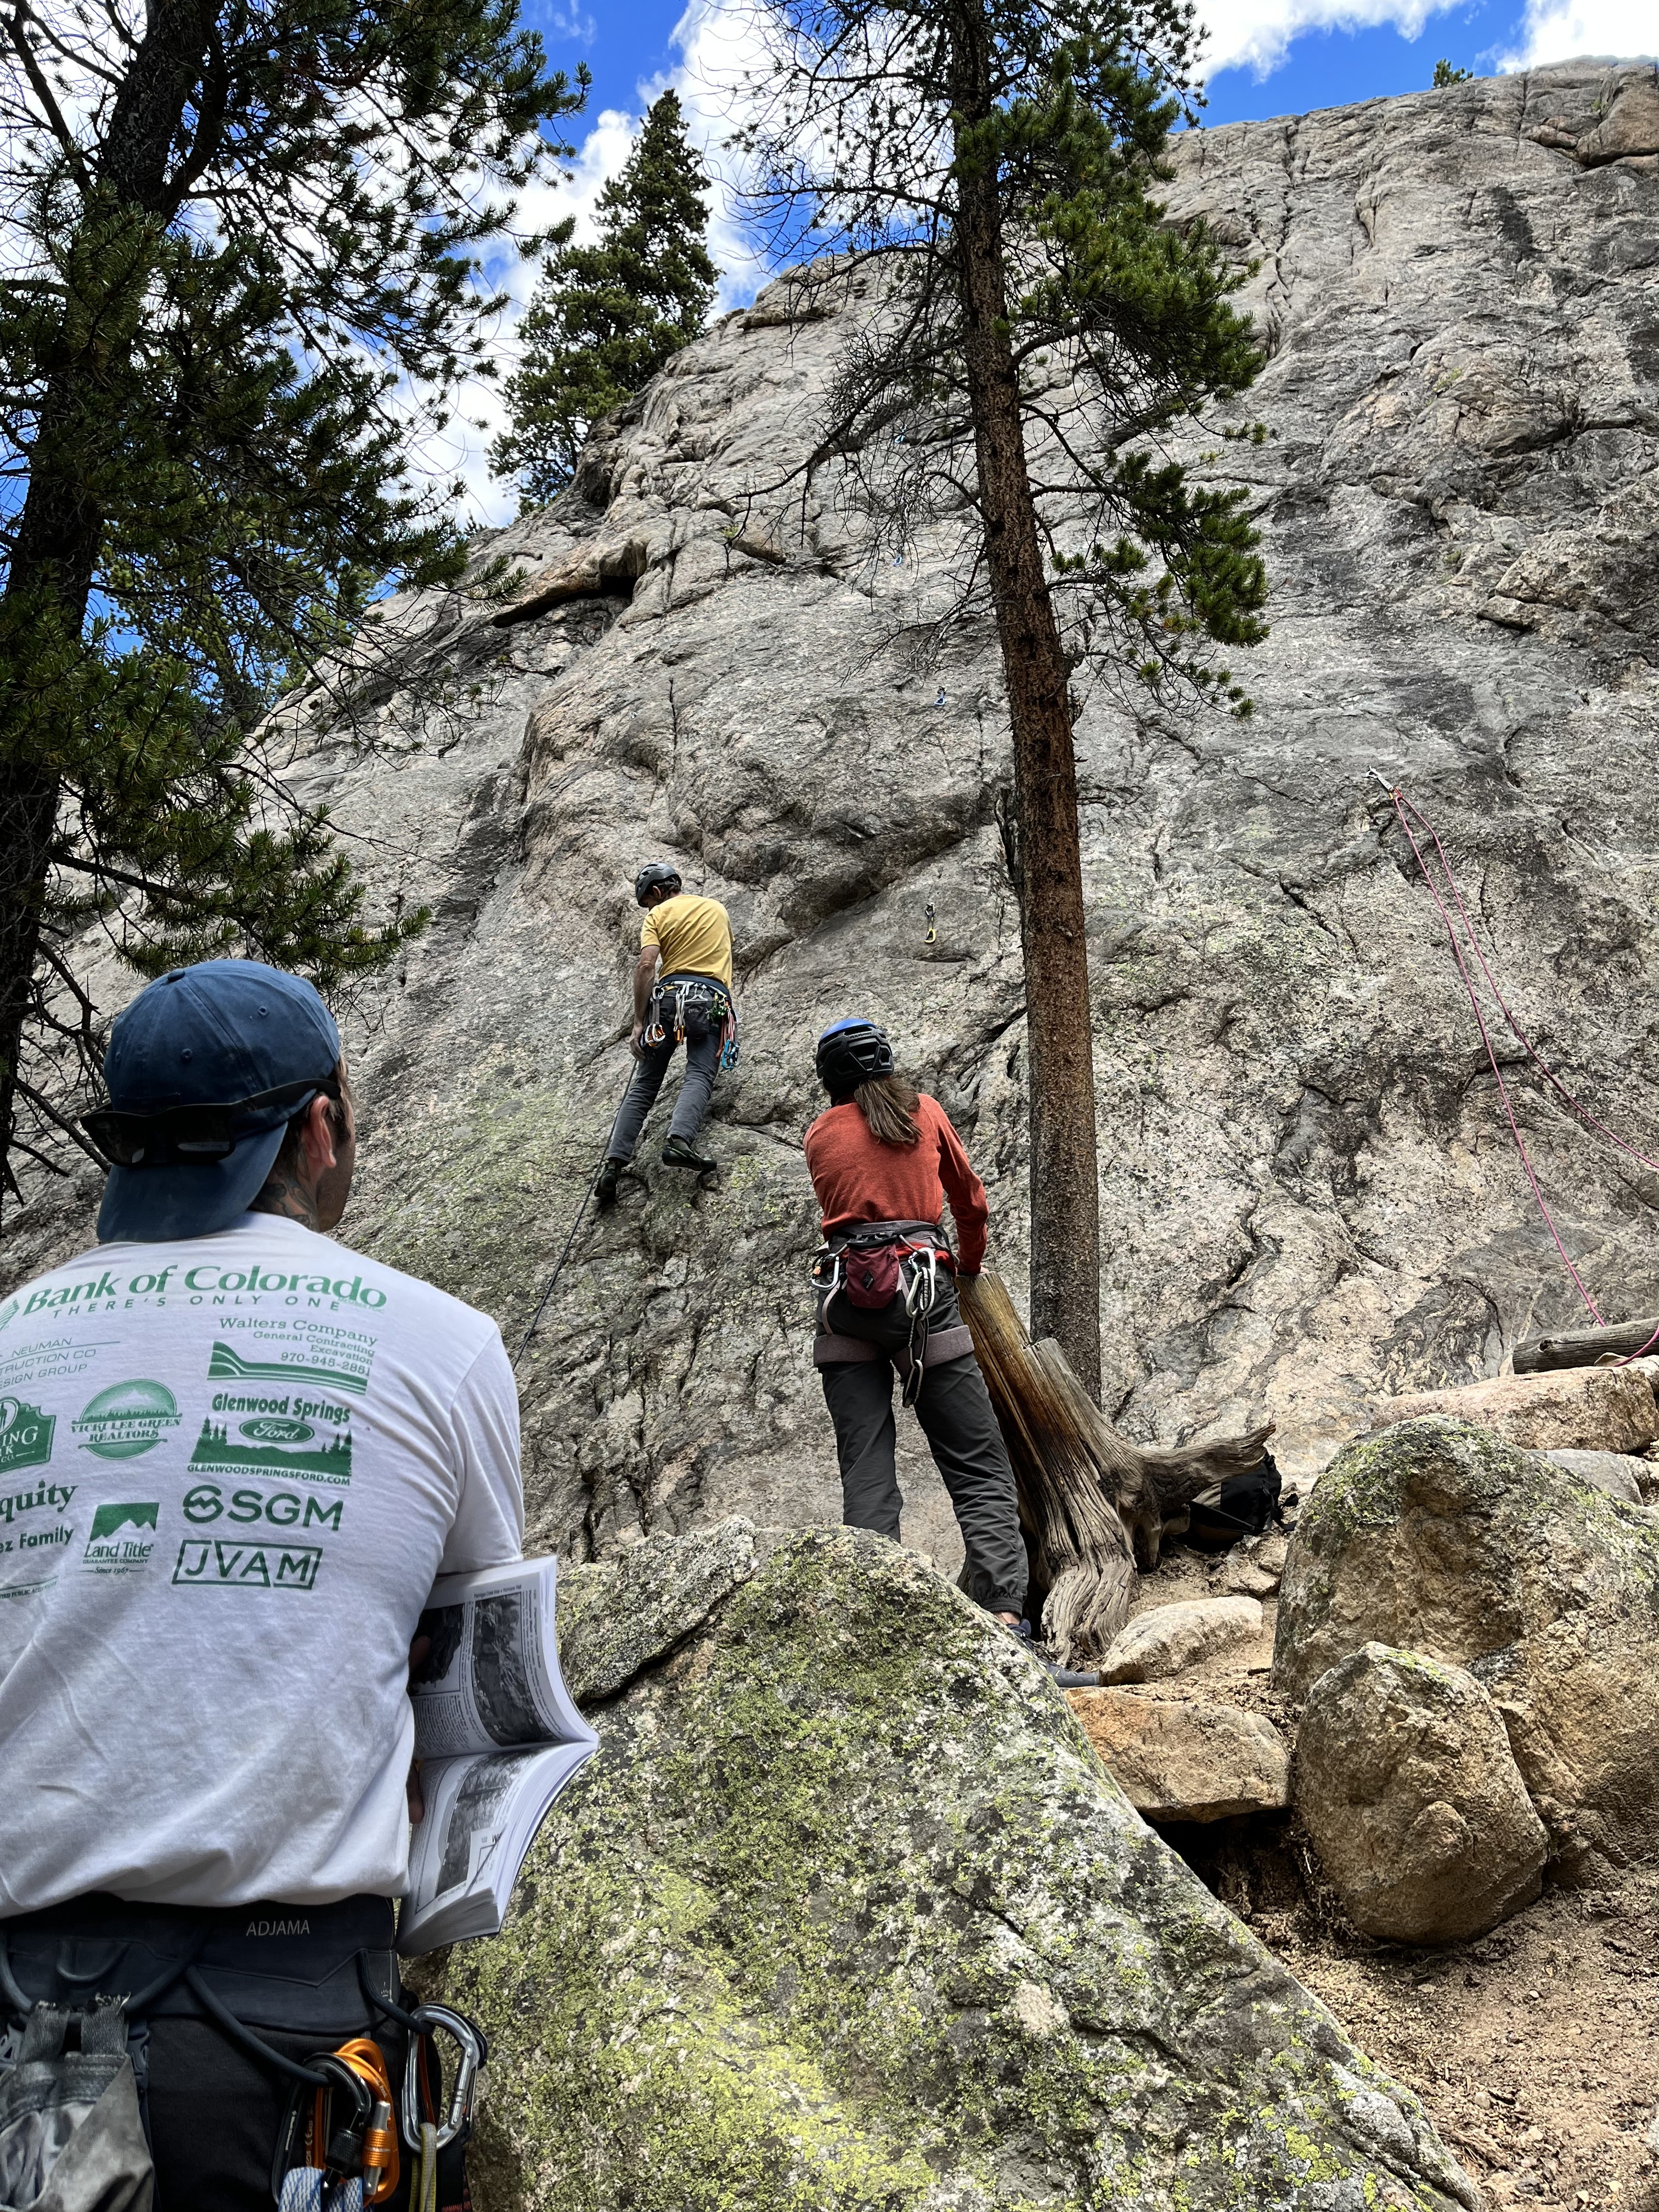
(1093, 1505)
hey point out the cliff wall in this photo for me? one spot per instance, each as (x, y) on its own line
(1308, 1195)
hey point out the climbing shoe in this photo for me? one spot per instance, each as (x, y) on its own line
(1066, 1677)
(605, 1188)
(676, 1153)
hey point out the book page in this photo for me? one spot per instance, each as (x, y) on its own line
(482, 1815)
(498, 1737)
(491, 1678)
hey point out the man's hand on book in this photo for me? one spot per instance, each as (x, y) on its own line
(417, 1651)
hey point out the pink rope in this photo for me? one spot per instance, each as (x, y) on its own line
(1560, 1088)
(1481, 1022)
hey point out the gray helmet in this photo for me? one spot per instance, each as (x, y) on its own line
(655, 875)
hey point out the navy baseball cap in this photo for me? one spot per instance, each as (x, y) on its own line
(205, 1070)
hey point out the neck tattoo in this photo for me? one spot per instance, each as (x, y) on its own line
(285, 1195)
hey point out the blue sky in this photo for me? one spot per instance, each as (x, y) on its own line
(1288, 62)
(1266, 58)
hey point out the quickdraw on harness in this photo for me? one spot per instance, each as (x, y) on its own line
(337, 2147)
(873, 1266)
(673, 999)
(439, 2183)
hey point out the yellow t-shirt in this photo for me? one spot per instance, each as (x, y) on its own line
(692, 935)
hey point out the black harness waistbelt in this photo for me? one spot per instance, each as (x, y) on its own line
(286, 1966)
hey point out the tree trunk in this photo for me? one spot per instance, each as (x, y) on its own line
(1065, 1177)
(61, 528)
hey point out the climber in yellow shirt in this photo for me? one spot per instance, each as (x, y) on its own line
(682, 990)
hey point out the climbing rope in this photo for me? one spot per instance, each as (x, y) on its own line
(558, 1268)
(1404, 808)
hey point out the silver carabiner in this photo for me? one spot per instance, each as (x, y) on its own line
(464, 2097)
(921, 1268)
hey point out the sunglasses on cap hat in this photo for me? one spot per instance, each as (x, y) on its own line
(182, 1133)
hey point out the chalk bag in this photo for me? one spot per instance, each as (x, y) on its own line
(70, 2137)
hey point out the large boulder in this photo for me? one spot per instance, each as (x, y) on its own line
(1407, 1786)
(1600, 1409)
(1186, 1758)
(1617, 1473)
(1170, 1638)
(621, 1615)
(845, 1914)
(1438, 1537)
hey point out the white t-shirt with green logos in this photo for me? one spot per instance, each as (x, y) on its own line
(231, 1469)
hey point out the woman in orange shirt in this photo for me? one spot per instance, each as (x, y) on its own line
(884, 1159)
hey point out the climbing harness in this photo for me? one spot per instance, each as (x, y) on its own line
(870, 1268)
(655, 1024)
(338, 2145)
(1405, 808)
(676, 997)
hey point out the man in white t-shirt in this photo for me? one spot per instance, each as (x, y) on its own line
(234, 1457)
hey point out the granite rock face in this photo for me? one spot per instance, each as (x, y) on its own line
(845, 1914)
(1308, 1202)
(1437, 1538)
(1405, 1781)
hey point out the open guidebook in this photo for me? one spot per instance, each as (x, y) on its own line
(498, 1737)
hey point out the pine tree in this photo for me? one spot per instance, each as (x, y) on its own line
(235, 239)
(1028, 330)
(1444, 74)
(606, 317)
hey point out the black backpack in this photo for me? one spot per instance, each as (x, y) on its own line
(1241, 1506)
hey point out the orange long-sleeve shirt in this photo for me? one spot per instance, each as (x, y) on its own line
(859, 1179)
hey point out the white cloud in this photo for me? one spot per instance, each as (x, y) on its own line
(1256, 35)
(718, 44)
(721, 45)
(1562, 30)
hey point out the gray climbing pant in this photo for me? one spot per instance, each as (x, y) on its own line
(954, 1409)
(703, 1059)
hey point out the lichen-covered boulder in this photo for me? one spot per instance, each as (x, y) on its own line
(846, 1917)
(1438, 1537)
(623, 1613)
(1406, 1783)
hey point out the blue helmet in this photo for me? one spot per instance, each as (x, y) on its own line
(852, 1051)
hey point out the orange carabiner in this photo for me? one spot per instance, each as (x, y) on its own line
(381, 2163)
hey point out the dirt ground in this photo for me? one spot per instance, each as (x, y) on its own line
(1535, 2049)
